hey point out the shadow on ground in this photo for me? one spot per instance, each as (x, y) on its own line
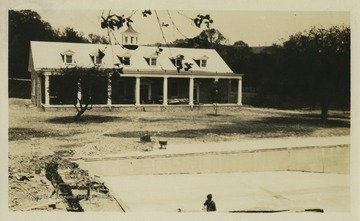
(86, 119)
(288, 125)
(28, 133)
(308, 120)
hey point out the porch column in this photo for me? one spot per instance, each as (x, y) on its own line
(79, 93)
(33, 86)
(109, 91)
(229, 90)
(149, 92)
(38, 90)
(165, 91)
(137, 91)
(191, 92)
(197, 92)
(239, 98)
(47, 89)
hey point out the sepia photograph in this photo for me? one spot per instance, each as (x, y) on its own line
(197, 111)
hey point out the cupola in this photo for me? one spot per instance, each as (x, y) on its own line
(130, 38)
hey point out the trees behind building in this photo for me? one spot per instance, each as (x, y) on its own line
(26, 26)
(310, 69)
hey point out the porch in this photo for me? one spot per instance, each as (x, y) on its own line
(141, 90)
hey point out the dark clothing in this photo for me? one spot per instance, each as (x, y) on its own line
(210, 205)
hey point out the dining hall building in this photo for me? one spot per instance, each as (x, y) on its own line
(166, 77)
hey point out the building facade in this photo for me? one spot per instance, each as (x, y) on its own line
(152, 76)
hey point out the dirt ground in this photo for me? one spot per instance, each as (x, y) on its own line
(39, 140)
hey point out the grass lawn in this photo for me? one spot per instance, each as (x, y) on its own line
(100, 132)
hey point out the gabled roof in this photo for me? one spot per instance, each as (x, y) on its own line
(67, 52)
(47, 55)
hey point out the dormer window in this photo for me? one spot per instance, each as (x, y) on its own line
(151, 59)
(97, 57)
(67, 57)
(201, 61)
(97, 60)
(178, 60)
(124, 60)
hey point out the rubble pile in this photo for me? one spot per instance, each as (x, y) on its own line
(52, 182)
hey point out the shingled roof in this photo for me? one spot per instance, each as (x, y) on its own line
(48, 55)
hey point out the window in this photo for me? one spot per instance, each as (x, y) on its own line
(68, 59)
(97, 60)
(203, 63)
(97, 57)
(68, 56)
(152, 61)
(124, 60)
(132, 40)
(126, 40)
(178, 62)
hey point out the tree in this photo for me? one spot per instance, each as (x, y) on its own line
(97, 39)
(82, 81)
(70, 35)
(212, 36)
(25, 26)
(236, 56)
(241, 44)
(216, 94)
(208, 38)
(318, 66)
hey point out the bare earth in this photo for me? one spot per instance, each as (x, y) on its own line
(37, 138)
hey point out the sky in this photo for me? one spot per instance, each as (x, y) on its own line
(256, 28)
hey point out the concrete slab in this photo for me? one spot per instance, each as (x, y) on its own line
(329, 159)
(233, 191)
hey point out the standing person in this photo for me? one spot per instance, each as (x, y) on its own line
(209, 204)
